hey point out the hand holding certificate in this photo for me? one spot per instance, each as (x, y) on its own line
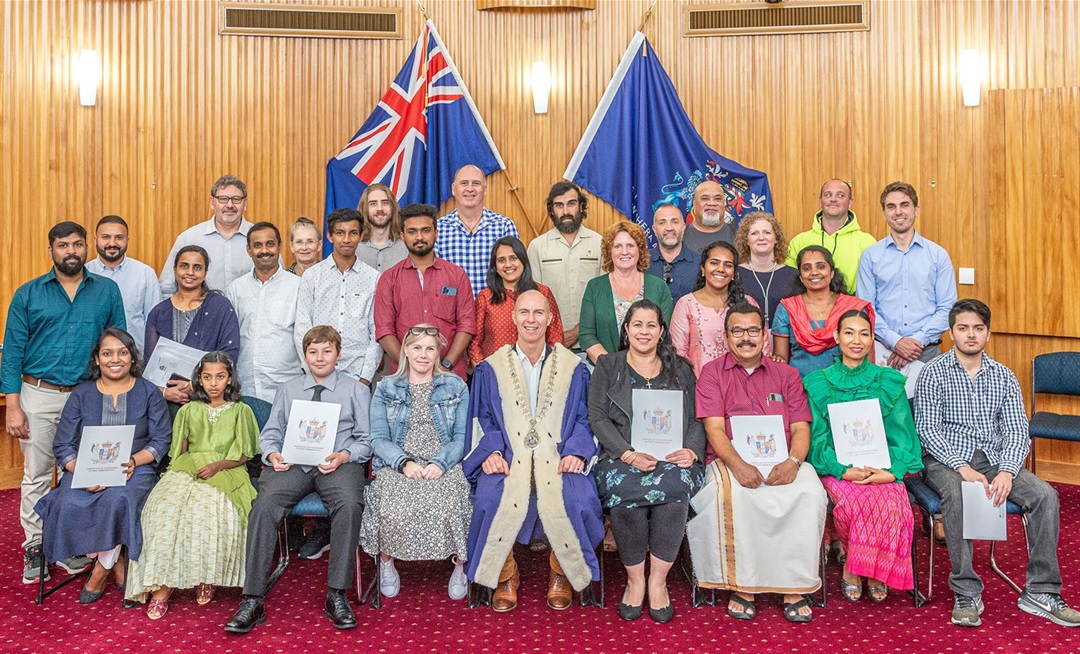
(859, 434)
(311, 432)
(982, 520)
(656, 428)
(171, 359)
(760, 441)
(103, 451)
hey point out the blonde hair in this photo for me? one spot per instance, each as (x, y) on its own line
(636, 232)
(410, 338)
(742, 236)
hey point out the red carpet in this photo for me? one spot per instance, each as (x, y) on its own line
(423, 619)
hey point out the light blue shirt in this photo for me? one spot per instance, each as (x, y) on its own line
(229, 259)
(138, 286)
(912, 291)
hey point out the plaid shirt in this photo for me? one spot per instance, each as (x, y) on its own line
(472, 251)
(956, 416)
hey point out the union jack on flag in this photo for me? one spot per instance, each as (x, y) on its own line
(425, 127)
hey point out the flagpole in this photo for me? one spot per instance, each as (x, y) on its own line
(516, 191)
(423, 10)
(644, 18)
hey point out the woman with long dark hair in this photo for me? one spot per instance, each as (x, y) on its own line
(697, 322)
(99, 520)
(649, 498)
(195, 521)
(508, 276)
(804, 326)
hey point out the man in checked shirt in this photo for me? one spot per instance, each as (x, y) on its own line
(970, 416)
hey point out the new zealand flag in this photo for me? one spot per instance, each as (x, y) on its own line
(640, 149)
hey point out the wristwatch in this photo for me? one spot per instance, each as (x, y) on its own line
(798, 463)
(446, 363)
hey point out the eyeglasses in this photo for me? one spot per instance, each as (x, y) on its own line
(752, 332)
(224, 199)
(667, 271)
(421, 331)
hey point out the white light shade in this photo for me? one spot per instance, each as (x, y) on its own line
(541, 86)
(88, 74)
(970, 71)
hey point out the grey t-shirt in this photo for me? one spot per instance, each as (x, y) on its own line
(696, 240)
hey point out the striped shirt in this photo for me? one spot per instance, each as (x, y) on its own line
(956, 415)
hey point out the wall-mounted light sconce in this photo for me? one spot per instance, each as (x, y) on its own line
(88, 74)
(541, 86)
(970, 70)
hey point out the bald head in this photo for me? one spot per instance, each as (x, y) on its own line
(532, 315)
(835, 199)
(709, 204)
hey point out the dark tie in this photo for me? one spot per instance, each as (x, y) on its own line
(317, 395)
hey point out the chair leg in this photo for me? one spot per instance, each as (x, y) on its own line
(993, 560)
(359, 580)
(42, 592)
(918, 598)
(824, 602)
(374, 591)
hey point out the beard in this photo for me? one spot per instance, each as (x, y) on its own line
(568, 226)
(712, 218)
(420, 250)
(69, 266)
(111, 258)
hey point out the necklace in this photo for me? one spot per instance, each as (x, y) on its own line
(764, 289)
(655, 367)
(823, 312)
(532, 439)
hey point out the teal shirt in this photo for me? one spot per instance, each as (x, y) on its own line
(598, 323)
(50, 336)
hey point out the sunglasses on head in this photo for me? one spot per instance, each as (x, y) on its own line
(420, 331)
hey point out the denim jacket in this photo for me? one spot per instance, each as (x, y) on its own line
(391, 407)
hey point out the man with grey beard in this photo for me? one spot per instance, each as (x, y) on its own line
(671, 261)
(710, 218)
(567, 256)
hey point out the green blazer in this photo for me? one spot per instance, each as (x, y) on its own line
(598, 323)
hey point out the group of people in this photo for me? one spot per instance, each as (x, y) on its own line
(558, 343)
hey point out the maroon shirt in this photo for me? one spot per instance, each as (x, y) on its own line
(445, 300)
(724, 390)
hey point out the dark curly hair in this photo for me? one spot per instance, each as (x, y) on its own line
(837, 285)
(669, 358)
(735, 292)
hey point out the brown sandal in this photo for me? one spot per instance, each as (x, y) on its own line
(204, 593)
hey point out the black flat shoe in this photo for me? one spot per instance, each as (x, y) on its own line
(249, 615)
(338, 610)
(663, 615)
(89, 596)
(628, 613)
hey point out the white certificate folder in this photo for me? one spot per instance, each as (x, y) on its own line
(859, 434)
(760, 440)
(982, 520)
(311, 432)
(171, 359)
(102, 453)
(657, 425)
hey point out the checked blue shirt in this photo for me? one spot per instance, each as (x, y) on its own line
(956, 416)
(472, 251)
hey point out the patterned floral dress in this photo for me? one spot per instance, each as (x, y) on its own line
(418, 519)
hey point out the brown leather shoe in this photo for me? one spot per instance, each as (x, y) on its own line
(560, 594)
(505, 596)
(939, 531)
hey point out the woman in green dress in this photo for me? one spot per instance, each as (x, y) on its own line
(195, 521)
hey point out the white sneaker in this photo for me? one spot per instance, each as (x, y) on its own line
(458, 587)
(389, 580)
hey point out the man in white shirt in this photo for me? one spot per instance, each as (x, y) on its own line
(567, 256)
(224, 237)
(137, 281)
(265, 304)
(340, 291)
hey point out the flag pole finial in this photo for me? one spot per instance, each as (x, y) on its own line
(423, 10)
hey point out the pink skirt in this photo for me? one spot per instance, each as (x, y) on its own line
(874, 523)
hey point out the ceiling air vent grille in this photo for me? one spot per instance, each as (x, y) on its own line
(273, 19)
(786, 18)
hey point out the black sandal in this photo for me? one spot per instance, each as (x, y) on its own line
(748, 610)
(791, 610)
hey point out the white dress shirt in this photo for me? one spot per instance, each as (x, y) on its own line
(229, 259)
(267, 315)
(138, 286)
(346, 302)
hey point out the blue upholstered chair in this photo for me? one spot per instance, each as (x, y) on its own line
(1057, 373)
(929, 503)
